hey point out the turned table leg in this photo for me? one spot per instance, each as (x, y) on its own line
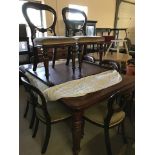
(76, 131)
(46, 62)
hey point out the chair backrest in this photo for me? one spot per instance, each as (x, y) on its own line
(115, 103)
(111, 64)
(33, 91)
(22, 75)
(39, 7)
(74, 26)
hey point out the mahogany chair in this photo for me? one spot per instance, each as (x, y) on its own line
(29, 99)
(48, 113)
(108, 114)
(39, 56)
(74, 27)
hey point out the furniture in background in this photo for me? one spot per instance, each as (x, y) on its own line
(24, 48)
(117, 46)
(115, 43)
(47, 113)
(108, 114)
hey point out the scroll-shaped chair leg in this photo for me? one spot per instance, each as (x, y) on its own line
(47, 137)
(26, 110)
(107, 141)
(123, 133)
(32, 118)
(35, 128)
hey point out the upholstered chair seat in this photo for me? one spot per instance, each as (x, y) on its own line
(108, 114)
(89, 39)
(98, 113)
(46, 112)
(56, 110)
(54, 40)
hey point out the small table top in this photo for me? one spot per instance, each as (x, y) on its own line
(120, 57)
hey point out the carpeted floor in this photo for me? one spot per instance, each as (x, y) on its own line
(61, 138)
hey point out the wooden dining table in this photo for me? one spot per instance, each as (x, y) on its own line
(77, 105)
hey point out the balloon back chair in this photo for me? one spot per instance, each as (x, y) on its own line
(22, 77)
(46, 112)
(74, 27)
(39, 29)
(108, 114)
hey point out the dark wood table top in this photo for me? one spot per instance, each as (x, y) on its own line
(82, 102)
(62, 73)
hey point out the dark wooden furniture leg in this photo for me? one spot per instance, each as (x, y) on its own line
(100, 54)
(26, 110)
(46, 62)
(107, 141)
(123, 133)
(33, 117)
(73, 49)
(68, 55)
(76, 131)
(35, 61)
(35, 128)
(47, 137)
(80, 55)
(54, 57)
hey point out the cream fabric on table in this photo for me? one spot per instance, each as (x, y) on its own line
(83, 86)
(37, 83)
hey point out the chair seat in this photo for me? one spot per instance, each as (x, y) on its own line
(54, 40)
(89, 39)
(98, 113)
(56, 110)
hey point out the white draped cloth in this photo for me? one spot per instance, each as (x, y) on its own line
(83, 86)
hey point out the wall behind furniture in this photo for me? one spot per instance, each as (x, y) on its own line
(103, 11)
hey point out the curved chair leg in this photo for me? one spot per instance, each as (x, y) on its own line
(107, 141)
(26, 110)
(32, 118)
(123, 133)
(35, 128)
(47, 137)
